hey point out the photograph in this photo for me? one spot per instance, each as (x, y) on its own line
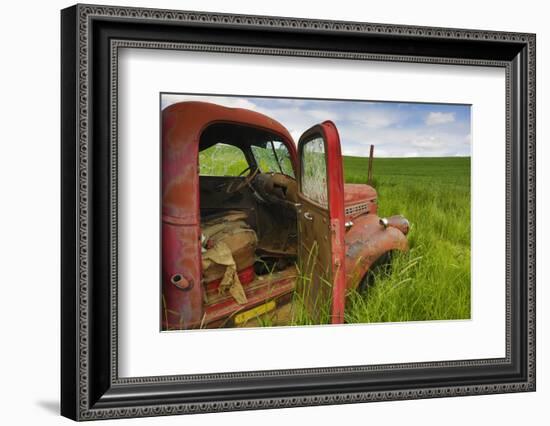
(281, 211)
(265, 209)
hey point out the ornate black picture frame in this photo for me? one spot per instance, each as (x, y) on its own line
(91, 36)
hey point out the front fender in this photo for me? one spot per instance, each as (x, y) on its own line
(369, 238)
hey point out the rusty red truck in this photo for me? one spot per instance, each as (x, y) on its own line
(233, 246)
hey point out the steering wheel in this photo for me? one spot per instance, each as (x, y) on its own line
(236, 185)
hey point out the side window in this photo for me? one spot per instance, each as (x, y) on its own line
(314, 171)
(222, 160)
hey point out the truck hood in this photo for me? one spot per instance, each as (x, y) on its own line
(358, 193)
(359, 199)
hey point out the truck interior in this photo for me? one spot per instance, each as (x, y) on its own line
(248, 196)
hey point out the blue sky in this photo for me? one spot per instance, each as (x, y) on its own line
(397, 129)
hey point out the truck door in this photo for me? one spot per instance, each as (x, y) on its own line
(321, 282)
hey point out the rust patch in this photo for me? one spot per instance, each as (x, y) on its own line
(366, 241)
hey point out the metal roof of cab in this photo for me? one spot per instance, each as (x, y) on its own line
(197, 115)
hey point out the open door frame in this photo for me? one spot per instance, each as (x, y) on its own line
(331, 214)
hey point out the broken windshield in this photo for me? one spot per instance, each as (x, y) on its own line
(273, 158)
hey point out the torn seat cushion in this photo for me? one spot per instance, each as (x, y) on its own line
(224, 236)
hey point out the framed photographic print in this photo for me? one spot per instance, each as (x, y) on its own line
(264, 212)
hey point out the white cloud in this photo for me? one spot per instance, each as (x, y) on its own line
(321, 115)
(435, 118)
(427, 142)
(374, 119)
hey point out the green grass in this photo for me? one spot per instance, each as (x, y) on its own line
(432, 280)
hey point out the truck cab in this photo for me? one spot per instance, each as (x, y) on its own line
(250, 219)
